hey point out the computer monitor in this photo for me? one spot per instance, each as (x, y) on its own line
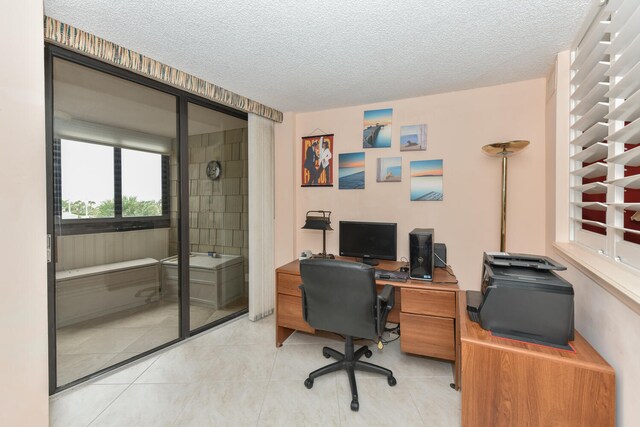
(368, 240)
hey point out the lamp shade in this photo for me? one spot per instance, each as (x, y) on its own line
(505, 149)
(320, 221)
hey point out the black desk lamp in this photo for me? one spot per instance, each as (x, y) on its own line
(319, 220)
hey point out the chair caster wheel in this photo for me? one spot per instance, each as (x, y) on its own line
(355, 405)
(308, 383)
(391, 380)
(368, 354)
(326, 354)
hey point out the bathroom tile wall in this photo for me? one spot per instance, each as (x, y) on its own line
(218, 210)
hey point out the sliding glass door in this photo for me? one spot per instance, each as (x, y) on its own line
(114, 145)
(218, 215)
(147, 216)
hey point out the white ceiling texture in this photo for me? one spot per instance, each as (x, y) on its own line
(297, 55)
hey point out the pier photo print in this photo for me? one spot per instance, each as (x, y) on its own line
(426, 180)
(377, 128)
(389, 169)
(413, 138)
(351, 171)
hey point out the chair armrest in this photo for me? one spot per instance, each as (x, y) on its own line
(386, 295)
(384, 304)
(304, 302)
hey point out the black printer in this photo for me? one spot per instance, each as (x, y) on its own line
(524, 299)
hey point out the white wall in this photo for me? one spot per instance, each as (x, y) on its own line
(613, 329)
(23, 306)
(609, 325)
(459, 124)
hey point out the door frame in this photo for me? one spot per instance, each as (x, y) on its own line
(51, 52)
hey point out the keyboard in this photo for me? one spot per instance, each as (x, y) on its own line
(393, 276)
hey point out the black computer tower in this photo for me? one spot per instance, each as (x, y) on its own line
(421, 254)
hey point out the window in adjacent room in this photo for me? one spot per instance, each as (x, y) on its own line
(104, 186)
(141, 184)
(87, 180)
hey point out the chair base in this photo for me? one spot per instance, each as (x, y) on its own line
(350, 361)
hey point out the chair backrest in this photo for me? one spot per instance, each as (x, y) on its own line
(340, 296)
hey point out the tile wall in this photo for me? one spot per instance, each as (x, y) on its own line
(218, 210)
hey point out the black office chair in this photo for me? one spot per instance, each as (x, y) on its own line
(340, 297)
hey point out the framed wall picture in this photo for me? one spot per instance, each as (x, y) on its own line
(377, 128)
(389, 169)
(317, 161)
(426, 180)
(413, 138)
(351, 171)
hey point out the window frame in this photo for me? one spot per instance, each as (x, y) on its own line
(69, 227)
(611, 245)
(52, 51)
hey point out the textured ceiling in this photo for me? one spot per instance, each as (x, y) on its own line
(298, 55)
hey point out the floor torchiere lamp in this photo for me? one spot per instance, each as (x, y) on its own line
(319, 220)
(504, 150)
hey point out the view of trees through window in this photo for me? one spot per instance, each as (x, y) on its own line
(88, 181)
(131, 206)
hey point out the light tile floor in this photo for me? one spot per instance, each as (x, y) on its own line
(235, 376)
(87, 347)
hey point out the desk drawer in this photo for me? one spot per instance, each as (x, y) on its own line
(429, 302)
(290, 313)
(428, 336)
(288, 284)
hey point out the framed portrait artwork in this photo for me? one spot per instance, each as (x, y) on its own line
(317, 161)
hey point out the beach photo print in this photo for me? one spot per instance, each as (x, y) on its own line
(377, 128)
(389, 169)
(413, 138)
(351, 171)
(426, 180)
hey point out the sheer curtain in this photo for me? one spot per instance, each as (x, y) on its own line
(261, 217)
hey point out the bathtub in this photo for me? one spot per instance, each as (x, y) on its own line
(213, 282)
(90, 292)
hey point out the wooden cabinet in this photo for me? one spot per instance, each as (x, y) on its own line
(426, 312)
(289, 284)
(430, 303)
(427, 322)
(289, 307)
(290, 313)
(514, 383)
(428, 336)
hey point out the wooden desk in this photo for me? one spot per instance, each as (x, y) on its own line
(426, 311)
(512, 383)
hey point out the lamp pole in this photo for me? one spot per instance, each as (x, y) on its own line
(324, 243)
(504, 150)
(503, 216)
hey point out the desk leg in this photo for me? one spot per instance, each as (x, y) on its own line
(282, 334)
(457, 363)
(456, 376)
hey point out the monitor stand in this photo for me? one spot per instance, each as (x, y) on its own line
(370, 261)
